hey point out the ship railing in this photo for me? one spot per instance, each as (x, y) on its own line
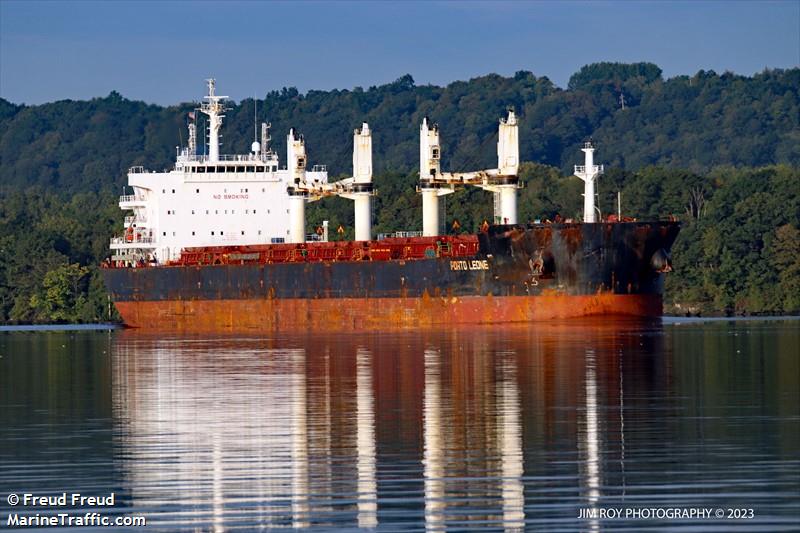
(134, 240)
(228, 157)
(319, 168)
(131, 198)
(581, 169)
(136, 170)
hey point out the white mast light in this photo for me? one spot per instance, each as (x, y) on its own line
(588, 173)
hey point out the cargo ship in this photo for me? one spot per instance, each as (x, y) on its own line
(219, 242)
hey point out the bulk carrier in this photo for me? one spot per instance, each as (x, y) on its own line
(219, 242)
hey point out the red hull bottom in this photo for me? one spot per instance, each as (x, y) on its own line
(377, 313)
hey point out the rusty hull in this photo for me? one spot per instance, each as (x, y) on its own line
(520, 273)
(377, 313)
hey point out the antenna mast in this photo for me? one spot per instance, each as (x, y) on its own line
(214, 108)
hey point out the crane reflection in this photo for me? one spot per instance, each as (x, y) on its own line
(449, 428)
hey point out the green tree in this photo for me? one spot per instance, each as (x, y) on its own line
(62, 296)
(784, 254)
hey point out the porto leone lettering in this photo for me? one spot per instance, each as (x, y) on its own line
(476, 264)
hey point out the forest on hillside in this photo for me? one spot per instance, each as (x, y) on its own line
(689, 122)
(721, 152)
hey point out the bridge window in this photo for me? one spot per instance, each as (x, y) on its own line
(220, 169)
(211, 169)
(251, 169)
(201, 170)
(240, 169)
(259, 169)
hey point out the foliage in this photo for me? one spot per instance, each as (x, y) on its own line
(50, 247)
(62, 297)
(737, 254)
(692, 122)
(614, 72)
(719, 151)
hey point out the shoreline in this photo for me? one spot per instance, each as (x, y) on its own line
(667, 320)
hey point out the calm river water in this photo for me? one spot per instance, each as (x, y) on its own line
(549, 427)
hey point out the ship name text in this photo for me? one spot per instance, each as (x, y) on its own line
(476, 264)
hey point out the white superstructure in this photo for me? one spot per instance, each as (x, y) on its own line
(215, 199)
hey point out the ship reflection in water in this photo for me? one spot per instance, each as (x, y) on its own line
(403, 429)
(512, 429)
(292, 431)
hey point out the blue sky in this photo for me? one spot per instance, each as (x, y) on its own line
(161, 51)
